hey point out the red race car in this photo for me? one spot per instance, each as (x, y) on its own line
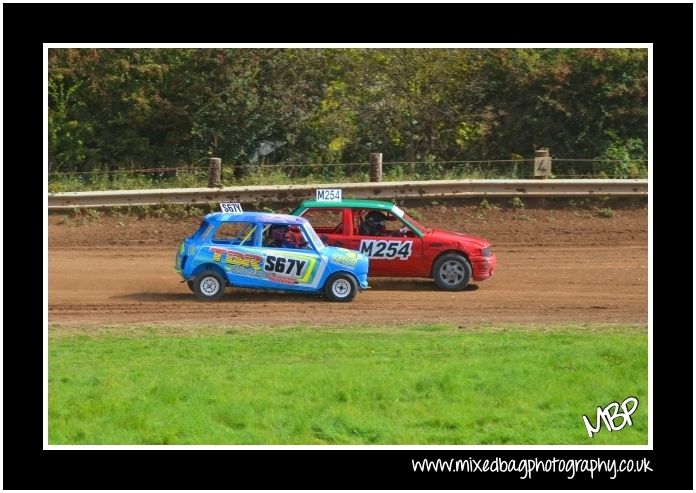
(397, 244)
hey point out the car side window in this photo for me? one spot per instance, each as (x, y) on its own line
(359, 227)
(371, 222)
(203, 231)
(325, 221)
(380, 223)
(234, 233)
(281, 235)
(404, 231)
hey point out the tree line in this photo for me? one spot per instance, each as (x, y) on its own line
(113, 109)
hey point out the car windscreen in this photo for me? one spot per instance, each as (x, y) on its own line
(313, 236)
(414, 223)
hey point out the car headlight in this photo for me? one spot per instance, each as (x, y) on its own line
(486, 252)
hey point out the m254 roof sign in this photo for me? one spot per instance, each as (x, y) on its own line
(328, 195)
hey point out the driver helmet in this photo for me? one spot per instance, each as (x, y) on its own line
(293, 237)
(278, 232)
(374, 223)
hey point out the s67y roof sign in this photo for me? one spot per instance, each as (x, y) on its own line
(231, 207)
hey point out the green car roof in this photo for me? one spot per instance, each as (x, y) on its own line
(352, 203)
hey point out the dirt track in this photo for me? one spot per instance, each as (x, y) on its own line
(553, 266)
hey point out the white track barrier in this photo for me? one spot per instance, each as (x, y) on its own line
(380, 191)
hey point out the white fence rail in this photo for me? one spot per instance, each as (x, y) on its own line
(382, 190)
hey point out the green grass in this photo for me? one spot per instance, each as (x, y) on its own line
(432, 384)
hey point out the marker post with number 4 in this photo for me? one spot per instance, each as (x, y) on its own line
(329, 195)
(542, 163)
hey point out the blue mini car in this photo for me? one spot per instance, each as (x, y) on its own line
(266, 251)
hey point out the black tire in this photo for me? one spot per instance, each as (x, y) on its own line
(341, 287)
(452, 272)
(209, 285)
(190, 286)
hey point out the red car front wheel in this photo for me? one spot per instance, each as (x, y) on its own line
(452, 272)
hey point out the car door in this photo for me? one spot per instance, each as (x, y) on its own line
(297, 268)
(395, 252)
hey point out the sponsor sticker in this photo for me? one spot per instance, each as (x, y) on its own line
(345, 260)
(235, 258)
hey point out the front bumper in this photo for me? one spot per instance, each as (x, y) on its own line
(362, 281)
(482, 267)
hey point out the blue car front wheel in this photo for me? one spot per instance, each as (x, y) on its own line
(341, 287)
(209, 286)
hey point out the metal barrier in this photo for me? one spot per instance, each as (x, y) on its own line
(383, 190)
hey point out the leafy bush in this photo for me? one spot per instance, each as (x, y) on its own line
(627, 159)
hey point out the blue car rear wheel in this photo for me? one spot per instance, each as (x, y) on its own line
(209, 285)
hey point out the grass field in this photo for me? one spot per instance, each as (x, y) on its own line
(432, 384)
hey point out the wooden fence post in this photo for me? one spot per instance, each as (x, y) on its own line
(214, 172)
(375, 166)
